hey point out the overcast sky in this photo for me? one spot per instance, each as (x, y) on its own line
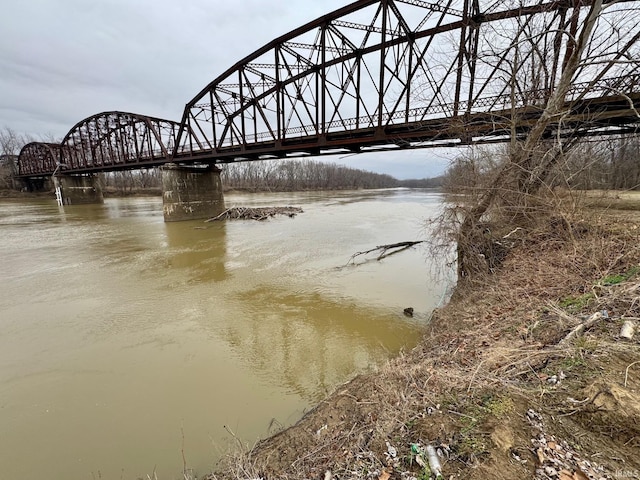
(64, 60)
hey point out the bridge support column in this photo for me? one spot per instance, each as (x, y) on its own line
(78, 189)
(191, 193)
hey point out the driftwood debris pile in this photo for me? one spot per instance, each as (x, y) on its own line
(257, 213)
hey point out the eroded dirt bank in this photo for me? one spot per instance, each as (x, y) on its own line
(500, 386)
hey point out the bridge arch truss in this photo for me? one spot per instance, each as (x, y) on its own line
(39, 158)
(118, 140)
(404, 71)
(103, 142)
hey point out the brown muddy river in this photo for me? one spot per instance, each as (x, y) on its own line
(125, 341)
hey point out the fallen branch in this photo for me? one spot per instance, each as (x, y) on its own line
(626, 373)
(580, 329)
(258, 213)
(386, 250)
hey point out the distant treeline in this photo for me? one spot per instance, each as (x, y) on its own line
(10, 145)
(606, 163)
(275, 176)
(295, 175)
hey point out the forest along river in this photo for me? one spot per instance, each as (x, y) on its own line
(125, 341)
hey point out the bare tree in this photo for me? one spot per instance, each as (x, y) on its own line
(533, 64)
(296, 175)
(10, 144)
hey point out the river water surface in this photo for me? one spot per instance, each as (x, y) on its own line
(125, 341)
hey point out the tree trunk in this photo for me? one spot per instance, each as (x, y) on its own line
(530, 163)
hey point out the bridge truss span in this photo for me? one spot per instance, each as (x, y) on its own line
(38, 158)
(404, 71)
(118, 140)
(103, 142)
(385, 74)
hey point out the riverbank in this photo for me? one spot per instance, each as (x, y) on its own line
(16, 194)
(504, 385)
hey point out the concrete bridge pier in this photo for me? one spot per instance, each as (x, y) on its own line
(191, 193)
(78, 189)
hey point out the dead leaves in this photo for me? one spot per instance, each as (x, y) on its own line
(386, 474)
(577, 475)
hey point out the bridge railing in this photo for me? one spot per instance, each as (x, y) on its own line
(95, 161)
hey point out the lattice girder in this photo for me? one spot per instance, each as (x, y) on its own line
(367, 68)
(112, 140)
(38, 158)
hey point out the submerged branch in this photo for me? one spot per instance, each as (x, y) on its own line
(386, 250)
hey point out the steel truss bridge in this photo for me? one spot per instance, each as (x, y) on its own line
(383, 74)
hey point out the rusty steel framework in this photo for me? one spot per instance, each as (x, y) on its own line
(103, 142)
(37, 158)
(117, 140)
(386, 74)
(414, 73)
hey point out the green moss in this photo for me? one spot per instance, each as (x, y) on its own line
(571, 363)
(585, 345)
(500, 407)
(615, 279)
(473, 441)
(472, 444)
(576, 303)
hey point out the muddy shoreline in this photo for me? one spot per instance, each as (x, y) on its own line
(496, 386)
